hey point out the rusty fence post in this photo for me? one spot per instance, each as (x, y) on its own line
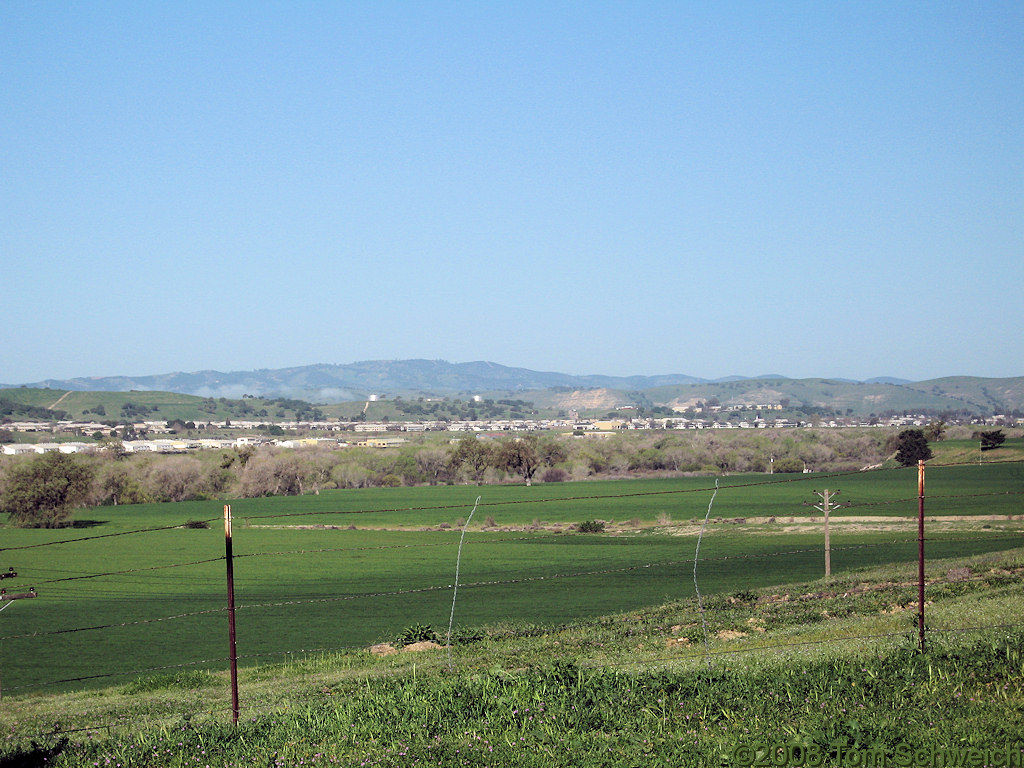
(233, 651)
(920, 553)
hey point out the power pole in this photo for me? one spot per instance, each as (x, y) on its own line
(826, 506)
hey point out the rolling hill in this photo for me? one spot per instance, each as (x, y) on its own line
(330, 383)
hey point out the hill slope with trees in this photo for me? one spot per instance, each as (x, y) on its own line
(436, 379)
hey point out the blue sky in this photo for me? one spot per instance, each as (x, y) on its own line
(808, 189)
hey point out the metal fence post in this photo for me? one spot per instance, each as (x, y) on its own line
(920, 553)
(233, 655)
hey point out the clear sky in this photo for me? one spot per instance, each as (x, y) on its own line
(710, 188)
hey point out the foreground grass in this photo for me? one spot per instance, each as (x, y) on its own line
(830, 665)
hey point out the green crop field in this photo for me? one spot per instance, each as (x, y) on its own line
(349, 568)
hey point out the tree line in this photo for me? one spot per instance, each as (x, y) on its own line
(44, 490)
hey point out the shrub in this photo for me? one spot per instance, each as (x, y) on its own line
(788, 465)
(196, 524)
(466, 635)
(417, 633)
(554, 475)
(590, 526)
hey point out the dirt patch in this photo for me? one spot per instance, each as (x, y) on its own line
(760, 525)
(958, 574)
(588, 398)
(839, 523)
(423, 645)
(387, 649)
(730, 634)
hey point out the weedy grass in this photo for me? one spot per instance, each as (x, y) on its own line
(830, 666)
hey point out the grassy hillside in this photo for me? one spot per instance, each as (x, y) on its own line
(998, 395)
(979, 396)
(839, 396)
(969, 451)
(818, 673)
(154, 406)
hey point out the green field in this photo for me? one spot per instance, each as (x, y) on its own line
(827, 672)
(306, 580)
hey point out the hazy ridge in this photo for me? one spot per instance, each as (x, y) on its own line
(337, 383)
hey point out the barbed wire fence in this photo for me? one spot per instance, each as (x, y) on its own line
(525, 578)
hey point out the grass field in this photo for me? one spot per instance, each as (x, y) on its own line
(305, 580)
(826, 670)
(163, 405)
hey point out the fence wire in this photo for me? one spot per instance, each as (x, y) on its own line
(525, 578)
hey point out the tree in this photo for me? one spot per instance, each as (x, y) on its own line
(177, 478)
(113, 448)
(274, 474)
(43, 492)
(552, 451)
(992, 439)
(118, 484)
(431, 462)
(935, 431)
(519, 455)
(245, 453)
(912, 447)
(473, 454)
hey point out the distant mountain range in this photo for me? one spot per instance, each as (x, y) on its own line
(327, 383)
(354, 381)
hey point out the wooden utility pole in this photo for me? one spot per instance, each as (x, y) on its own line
(826, 506)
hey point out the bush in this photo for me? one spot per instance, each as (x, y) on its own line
(590, 526)
(788, 465)
(196, 524)
(417, 633)
(466, 635)
(554, 475)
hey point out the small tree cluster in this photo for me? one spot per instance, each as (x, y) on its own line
(43, 492)
(912, 447)
(991, 439)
